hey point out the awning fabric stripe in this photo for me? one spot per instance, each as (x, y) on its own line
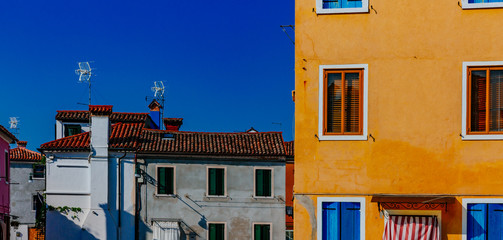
(411, 228)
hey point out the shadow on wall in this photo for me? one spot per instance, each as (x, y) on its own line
(61, 226)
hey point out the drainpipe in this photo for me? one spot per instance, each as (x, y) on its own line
(120, 196)
(136, 211)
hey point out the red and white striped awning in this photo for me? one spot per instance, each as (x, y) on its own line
(411, 228)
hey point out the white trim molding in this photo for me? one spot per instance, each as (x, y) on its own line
(465, 203)
(321, 102)
(321, 10)
(466, 5)
(319, 213)
(464, 105)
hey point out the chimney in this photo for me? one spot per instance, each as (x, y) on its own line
(100, 129)
(22, 144)
(173, 124)
(155, 113)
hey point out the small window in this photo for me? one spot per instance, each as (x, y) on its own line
(341, 6)
(262, 231)
(343, 102)
(38, 171)
(484, 221)
(72, 129)
(34, 202)
(467, 4)
(289, 234)
(263, 182)
(165, 180)
(216, 231)
(216, 181)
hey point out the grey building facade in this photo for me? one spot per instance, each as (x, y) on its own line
(26, 186)
(213, 186)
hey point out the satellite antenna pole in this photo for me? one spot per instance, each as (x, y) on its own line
(14, 121)
(158, 90)
(85, 73)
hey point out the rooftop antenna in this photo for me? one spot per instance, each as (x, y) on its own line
(158, 90)
(14, 121)
(85, 73)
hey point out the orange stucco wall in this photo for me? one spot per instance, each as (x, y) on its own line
(414, 51)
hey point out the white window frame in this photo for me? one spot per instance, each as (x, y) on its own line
(208, 227)
(319, 216)
(262, 223)
(465, 203)
(437, 213)
(464, 111)
(466, 5)
(321, 102)
(174, 179)
(208, 182)
(321, 10)
(254, 181)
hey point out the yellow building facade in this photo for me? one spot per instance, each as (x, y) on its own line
(399, 108)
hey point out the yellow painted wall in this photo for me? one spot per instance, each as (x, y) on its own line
(415, 51)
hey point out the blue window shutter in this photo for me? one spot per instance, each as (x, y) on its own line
(330, 220)
(495, 222)
(350, 220)
(476, 222)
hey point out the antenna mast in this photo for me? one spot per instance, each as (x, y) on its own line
(158, 90)
(85, 73)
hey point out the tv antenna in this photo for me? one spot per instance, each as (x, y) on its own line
(285, 27)
(158, 90)
(14, 121)
(85, 73)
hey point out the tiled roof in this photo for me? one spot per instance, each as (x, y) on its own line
(289, 148)
(124, 136)
(100, 109)
(83, 116)
(24, 155)
(201, 143)
(9, 134)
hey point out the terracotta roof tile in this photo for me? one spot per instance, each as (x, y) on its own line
(124, 136)
(9, 134)
(235, 144)
(100, 109)
(24, 155)
(83, 116)
(172, 124)
(289, 148)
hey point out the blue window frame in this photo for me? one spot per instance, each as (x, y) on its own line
(341, 220)
(484, 221)
(329, 4)
(484, 1)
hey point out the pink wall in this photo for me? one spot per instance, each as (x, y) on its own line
(4, 187)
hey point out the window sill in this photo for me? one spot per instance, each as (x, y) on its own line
(483, 137)
(166, 195)
(216, 198)
(467, 5)
(341, 10)
(343, 137)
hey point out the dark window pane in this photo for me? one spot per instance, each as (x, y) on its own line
(496, 101)
(165, 180)
(72, 129)
(216, 181)
(38, 171)
(478, 101)
(217, 231)
(263, 183)
(334, 103)
(262, 232)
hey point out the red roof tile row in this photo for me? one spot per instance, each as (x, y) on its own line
(83, 116)
(24, 155)
(100, 109)
(135, 137)
(9, 134)
(289, 148)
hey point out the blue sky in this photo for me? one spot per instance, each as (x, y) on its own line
(227, 65)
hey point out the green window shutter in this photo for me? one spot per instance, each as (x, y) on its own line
(213, 232)
(262, 232)
(217, 231)
(267, 183)
(257, 232)
(170, 180)
(212, 181)
(220, 184)
(259, 182)
(161, 180)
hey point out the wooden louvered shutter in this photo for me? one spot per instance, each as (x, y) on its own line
(496, 100)
(267, 183)
(350, 220)
(333, 102)
(352, 103)
(478, 101)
